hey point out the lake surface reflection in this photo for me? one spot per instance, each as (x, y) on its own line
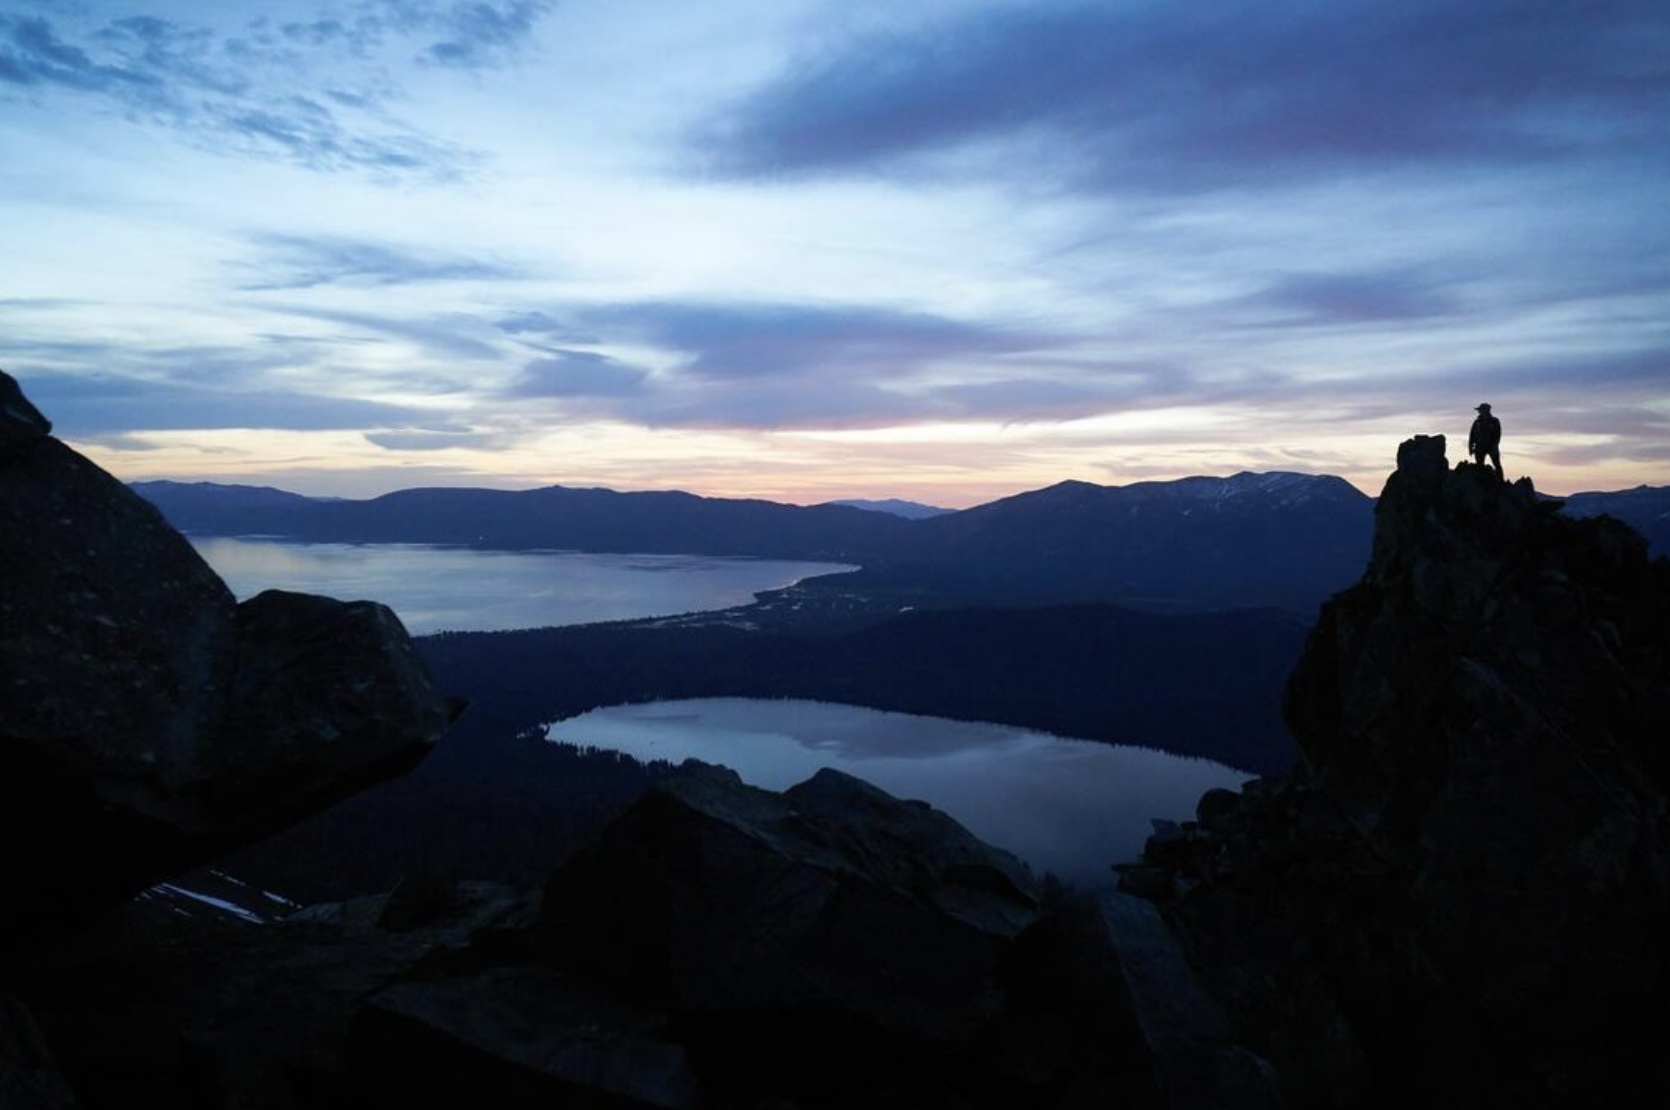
(1073, 807)
(461, 589)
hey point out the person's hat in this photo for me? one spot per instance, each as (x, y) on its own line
(1484, 407)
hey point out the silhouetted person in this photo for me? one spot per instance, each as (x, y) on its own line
(1486, 439)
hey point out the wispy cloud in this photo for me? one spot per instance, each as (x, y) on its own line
(307, 261)
(723, 341)
(100, 406)
(455, 337)
(535, 324)
(474, 34)
(429, 439)
(1321, 298)
(1168, 96)
(787, 364)
(313, 92)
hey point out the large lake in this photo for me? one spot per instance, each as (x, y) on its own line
(1072, 807)
(461, 589)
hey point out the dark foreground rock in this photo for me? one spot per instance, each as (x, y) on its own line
(1463, 895)
(519, 1036)
(716, 897)
(720, 946)
(29, 1077)
(148, 1007)
(147, 721)
(829, 946)
(822, 941)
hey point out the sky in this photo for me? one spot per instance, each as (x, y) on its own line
(946, 250)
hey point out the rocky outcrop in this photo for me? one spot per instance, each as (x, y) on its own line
(1463, 894)
(147, 721)
(836, 946)
(830, 946)
(716, 897)
(815, 934)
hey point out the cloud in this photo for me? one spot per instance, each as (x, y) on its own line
(784, 364)
(95, 358)
(446, 337)
(424, 440)
(310, 134)
(478, 34)
(541, 325)
(1198, 96)
(36, 304)
(304, 262)
(1362, 297)
(752, 340)
(1587, 370)
(124, 443)
(101, 406)
(310, 92)
(578, 374)
(462, 34)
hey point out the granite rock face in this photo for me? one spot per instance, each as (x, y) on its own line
(721, 900)
(147, 721)
(1463, 894)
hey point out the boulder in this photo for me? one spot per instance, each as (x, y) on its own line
(147, 721)
(819, 936)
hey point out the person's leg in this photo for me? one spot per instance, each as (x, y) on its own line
(1496, 458)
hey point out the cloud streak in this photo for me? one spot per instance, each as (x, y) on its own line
(441, 337)
(306, 262)
(313, 93)
(1196, 96)
(1315, 298)
(83, 406)
(786, 364)
(725, 342)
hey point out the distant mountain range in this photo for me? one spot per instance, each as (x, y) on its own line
(553, 518)
(1644, 508)
(910, 510)
(1251, 539)
(1273, 539)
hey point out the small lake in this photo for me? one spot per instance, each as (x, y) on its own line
(466, 590)
(1072, 807)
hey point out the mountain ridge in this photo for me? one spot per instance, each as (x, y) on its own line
(910, 510)
(1251, 538)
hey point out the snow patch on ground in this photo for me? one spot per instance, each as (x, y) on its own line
(209, 900)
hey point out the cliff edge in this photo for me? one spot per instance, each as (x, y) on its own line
(1463, 893)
